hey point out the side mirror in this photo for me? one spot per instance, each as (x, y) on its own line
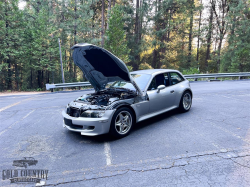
(161, 87)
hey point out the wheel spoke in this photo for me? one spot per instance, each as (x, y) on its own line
(118, 124)
(125, 118)
(123, 122)
(120, 117)
(121, 128)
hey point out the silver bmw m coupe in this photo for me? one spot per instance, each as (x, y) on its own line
(121, 98)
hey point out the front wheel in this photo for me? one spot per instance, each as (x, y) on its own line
(185, 102)
(122, 122)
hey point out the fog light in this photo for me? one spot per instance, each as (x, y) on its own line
(91, 127)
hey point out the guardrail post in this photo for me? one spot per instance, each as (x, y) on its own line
(79, 87)
(239, 77)
(195, 79)
(52, 89)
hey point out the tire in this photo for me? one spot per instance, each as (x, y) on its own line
(185, 102)
(120, 129)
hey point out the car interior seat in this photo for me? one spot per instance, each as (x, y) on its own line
(160, 80)
(166, 81)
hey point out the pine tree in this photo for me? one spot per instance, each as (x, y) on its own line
(236, 56)
(10, 53)
(116, 41)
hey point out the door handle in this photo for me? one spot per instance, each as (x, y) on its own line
(172, 91)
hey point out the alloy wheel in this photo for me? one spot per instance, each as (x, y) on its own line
(187, 101)
(123, 122)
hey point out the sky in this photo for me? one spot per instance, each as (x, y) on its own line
(21, 4)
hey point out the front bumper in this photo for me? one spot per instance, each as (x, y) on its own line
(88, 126)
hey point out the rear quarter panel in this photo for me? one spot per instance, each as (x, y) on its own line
(180, 88)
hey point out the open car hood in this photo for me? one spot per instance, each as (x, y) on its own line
(100, 66)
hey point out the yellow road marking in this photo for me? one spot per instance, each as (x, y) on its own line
(4, 108)
(9, 127)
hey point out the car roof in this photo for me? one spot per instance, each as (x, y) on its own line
(153, 71)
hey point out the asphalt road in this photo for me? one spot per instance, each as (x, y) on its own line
(207, 146)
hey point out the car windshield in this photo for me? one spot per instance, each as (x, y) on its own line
(140, 79)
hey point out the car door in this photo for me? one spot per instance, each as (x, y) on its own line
(164, 98)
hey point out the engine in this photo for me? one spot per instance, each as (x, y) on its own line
(107, 96)
(102, 100)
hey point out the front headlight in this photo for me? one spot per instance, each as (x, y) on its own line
(93, 113)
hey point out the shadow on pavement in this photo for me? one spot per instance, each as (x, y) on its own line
(77, 137)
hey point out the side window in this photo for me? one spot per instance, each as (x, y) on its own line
(175, 78)
(152, 85)
(161, 79)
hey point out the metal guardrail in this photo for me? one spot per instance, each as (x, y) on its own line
(217, 75)
(67, 85)
(193, 76)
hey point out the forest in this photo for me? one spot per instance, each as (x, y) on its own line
(192, 36)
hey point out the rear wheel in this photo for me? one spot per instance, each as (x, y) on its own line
(185, 102)
(122, 122)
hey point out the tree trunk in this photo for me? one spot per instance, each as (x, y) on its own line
(232, 31)
(47, 77)
(42, 79)
(39, 73)
(17, 76)
(219, 50)
(154, 63)
(140, 21)
(210, 30)
(216, 39)
(74, 72)
(169, 20)
(21, 77)
(220, 18)
(70, 64)
(109, 9)
(9, 82)
(190, 34)
(75, 24)
(136, 34)
(103, 9)
(31, 78)
(113, 3)
(198, 41)
(75, 41)
(137, 21)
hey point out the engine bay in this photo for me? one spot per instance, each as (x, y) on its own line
(107, 96)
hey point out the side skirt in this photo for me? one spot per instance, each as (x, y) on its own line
(144, 117)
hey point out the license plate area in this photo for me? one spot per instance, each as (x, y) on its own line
(68, 122)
